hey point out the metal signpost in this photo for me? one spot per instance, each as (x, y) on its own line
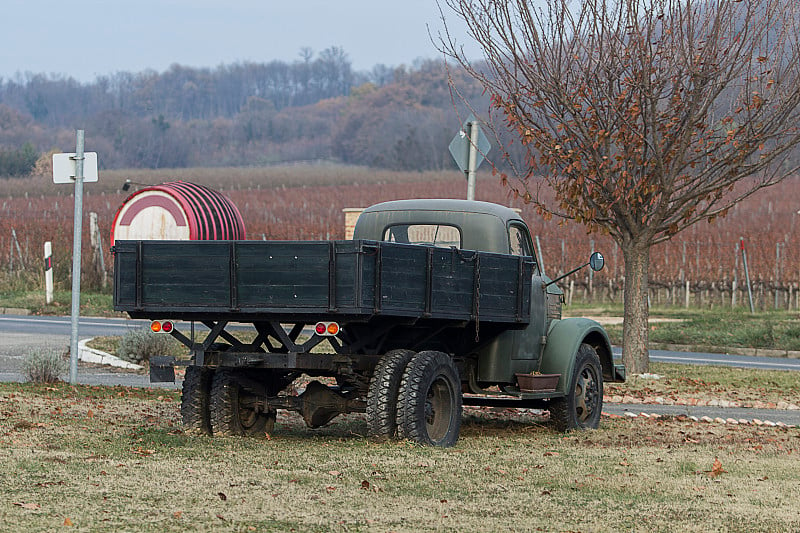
(469, 148)
(68, 168)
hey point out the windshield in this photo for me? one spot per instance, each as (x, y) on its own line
(435, 234)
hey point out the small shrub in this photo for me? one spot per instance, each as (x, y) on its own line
(18, 162)
(44, 365)
(137, 346)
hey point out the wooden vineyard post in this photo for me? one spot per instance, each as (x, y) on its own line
(688, 294)
(747, 274)
(98, 261)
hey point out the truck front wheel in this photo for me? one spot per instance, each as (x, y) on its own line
(382, 394)
(582, 406)
(232, 411)
(429, 402)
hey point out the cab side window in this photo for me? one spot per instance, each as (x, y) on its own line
(519, 241)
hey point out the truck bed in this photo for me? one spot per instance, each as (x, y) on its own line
(308, 281)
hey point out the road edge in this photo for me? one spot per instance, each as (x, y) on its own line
(90, 355)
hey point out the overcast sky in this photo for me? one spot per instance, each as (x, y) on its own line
(88, 38)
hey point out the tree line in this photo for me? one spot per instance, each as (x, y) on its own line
(314, 108)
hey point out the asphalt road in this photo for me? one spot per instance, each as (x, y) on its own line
(744, 361)
(21, 334)
(62, 325)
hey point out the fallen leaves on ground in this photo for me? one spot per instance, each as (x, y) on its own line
(30, 506)
(716, 468)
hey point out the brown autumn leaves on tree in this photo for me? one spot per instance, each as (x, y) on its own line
(644, 117)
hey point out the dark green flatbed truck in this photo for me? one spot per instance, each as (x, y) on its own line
(434, 304)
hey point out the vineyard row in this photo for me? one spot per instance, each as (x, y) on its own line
(704, 254)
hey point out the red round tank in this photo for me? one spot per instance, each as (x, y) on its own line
(177, 210)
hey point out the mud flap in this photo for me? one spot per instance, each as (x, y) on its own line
(162, 369)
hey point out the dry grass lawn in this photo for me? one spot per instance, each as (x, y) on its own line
(115, 459)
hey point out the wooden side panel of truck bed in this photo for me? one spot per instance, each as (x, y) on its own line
(340, 280)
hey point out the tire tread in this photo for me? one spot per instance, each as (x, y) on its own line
(195, 400)
(419, 375)
(383, 394)
(223, 395)
(562, 410)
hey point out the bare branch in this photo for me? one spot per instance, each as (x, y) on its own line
(638, 113)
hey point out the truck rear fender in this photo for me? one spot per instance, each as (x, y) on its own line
(564, 337)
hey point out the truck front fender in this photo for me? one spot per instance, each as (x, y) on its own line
(563, 340)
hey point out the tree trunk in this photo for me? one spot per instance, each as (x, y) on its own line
(635, 326)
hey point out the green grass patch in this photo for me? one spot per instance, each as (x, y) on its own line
(772, 330)
(778, 330)
(105, 343)
(92, 303)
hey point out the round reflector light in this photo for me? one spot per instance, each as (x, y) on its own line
(320, 328)
(333, 328)
(166, 327)
(155, 326)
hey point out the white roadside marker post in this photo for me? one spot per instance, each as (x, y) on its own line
(48, 272)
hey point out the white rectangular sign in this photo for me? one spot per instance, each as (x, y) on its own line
(64, 167)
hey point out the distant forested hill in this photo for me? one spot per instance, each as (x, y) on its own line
(241, 114)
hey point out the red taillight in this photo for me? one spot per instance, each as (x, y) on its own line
(327, 329)
(161, 327)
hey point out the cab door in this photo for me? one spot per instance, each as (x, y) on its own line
(532, 338)
(517, 350)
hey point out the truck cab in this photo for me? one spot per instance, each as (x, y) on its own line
(489, 227)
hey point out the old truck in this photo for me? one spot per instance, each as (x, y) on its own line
(432, 305)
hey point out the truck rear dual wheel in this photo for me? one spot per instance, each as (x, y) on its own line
(384, 387)
(231, 411)
(582, 406)
(429, 402)
(195, 399)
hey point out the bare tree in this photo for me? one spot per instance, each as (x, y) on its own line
(644, 116)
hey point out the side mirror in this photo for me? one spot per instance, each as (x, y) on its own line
(596, 261)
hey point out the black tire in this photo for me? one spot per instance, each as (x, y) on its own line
(230, 414)
(429, 402)
(195, 400)
(384, 387)
(582, 406)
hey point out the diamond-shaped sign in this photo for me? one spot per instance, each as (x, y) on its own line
(459, 146)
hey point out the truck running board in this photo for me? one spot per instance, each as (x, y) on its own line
(525, 401)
